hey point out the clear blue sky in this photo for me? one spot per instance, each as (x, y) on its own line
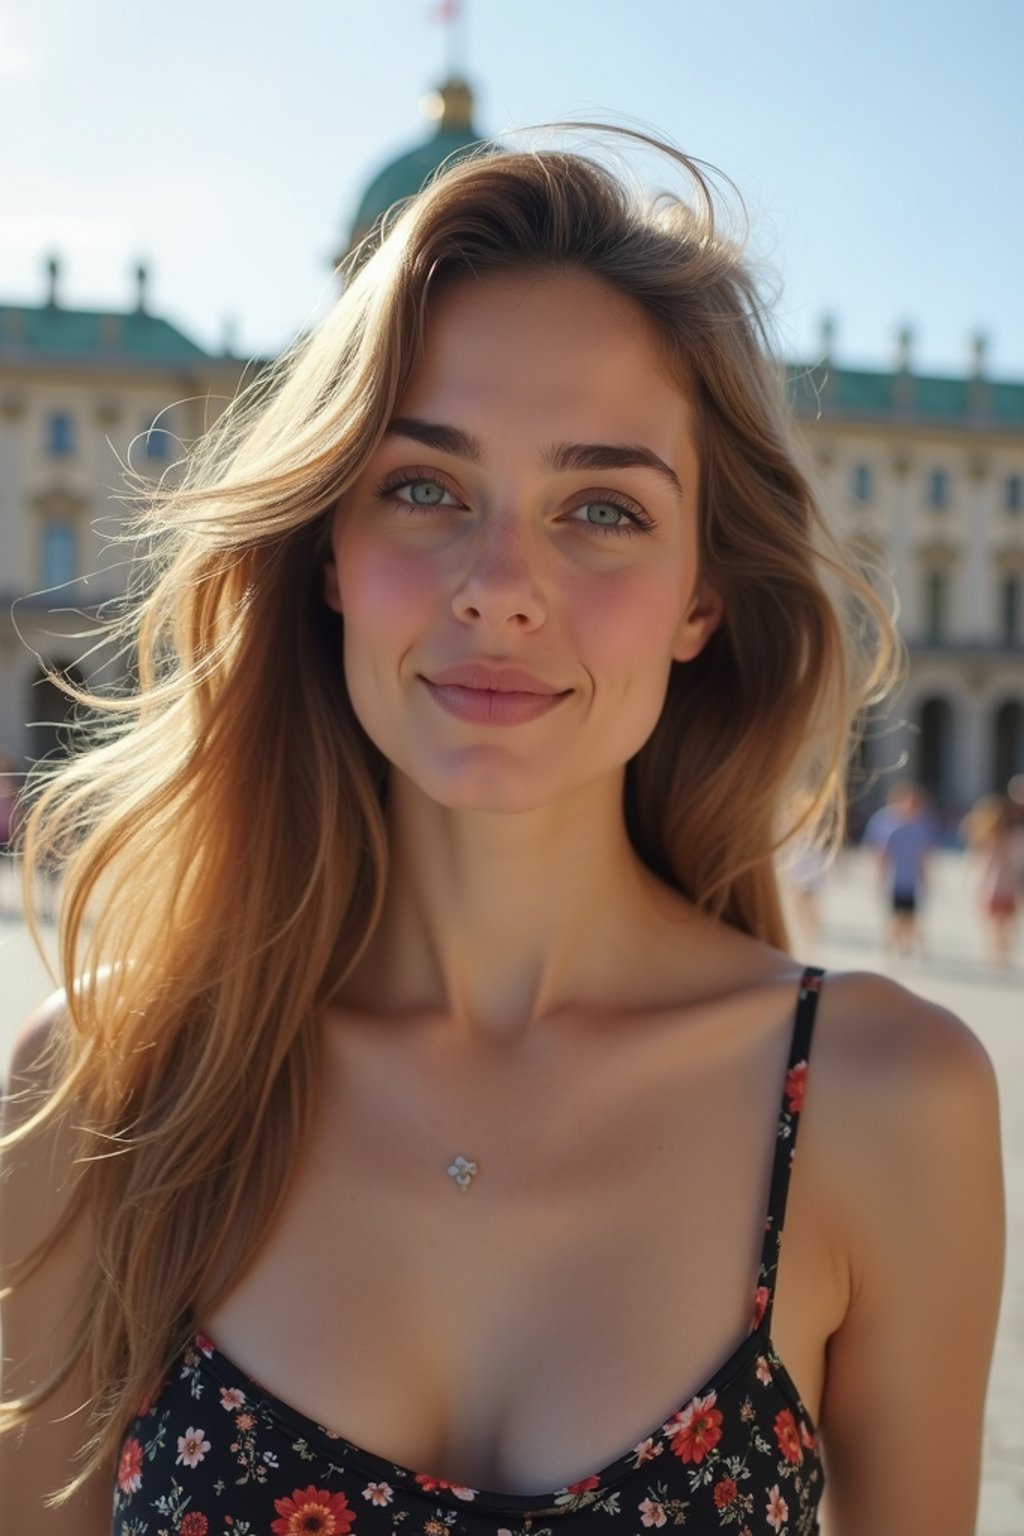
(878, 145)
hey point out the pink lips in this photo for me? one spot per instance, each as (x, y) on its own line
(493, 695)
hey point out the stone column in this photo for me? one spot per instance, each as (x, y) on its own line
(971, 745)
(16, 567)
(977, 616)
(902, 563)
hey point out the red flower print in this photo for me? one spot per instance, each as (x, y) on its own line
(652, 1513)
(796, 1077)
(129, 1470)
(807, 1440)
(194, 1524)
(585, 1484)
(312, 1509)
(787, 1436)
(724, 1493)
(697, 1429)
(436, 1484)
(762, 1296)
(430, 1484)
(203, 1343)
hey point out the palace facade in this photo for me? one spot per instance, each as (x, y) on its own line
(925, 474)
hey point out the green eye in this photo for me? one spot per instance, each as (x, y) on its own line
(613, 516)
(610, 512)
(425, 493)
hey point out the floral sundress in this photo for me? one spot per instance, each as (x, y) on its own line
(213, 1453)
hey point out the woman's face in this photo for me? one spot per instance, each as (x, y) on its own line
(534, 503)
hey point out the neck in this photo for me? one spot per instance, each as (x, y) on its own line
(496, 923)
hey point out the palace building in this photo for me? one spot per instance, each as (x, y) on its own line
(925, 474)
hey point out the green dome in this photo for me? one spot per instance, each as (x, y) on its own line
(454, 136)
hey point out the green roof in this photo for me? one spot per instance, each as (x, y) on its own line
(408, 174)
(52, 333)
(857, 392)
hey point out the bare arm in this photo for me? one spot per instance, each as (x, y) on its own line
(39, 1319)
(907, 1370)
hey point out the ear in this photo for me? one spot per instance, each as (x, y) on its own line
(698, 623)
(331, 592)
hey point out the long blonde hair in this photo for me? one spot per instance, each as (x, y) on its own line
(222, 835)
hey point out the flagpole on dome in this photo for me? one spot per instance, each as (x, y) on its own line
(452, 15)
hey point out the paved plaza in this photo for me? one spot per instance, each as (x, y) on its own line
(954, 973)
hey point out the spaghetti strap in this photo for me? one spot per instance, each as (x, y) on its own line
(789, 1122)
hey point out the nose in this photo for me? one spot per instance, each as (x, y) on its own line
(498, 587)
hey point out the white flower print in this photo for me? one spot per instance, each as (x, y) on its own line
(192, 1447)
(379, 1493)
(777, 1510)
(646, 1451)
(652, 1513)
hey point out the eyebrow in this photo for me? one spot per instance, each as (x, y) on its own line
(557, 456)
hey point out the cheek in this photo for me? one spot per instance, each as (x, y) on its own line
(630, 619)
(379, 585)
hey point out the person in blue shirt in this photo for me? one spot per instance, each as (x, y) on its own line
(904, 834)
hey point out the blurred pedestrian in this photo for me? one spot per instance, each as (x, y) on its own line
(992, 837)
(904, 834)
(1015, 797)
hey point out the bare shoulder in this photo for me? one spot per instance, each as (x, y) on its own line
(34, 1171)
(36, 1055)
(902, 1114)
(887, 1046)
(31, 1060)
(902, 1102)
(47, 1276)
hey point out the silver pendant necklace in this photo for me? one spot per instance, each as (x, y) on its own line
(462, 1171)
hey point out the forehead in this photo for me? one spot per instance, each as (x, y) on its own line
(555, 353)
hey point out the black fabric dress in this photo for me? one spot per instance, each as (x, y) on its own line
(215, 1454)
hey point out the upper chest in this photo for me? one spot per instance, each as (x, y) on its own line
(597, 1271)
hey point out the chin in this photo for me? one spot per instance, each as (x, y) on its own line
(500, 789)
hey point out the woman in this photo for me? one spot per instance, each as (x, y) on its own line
(992, 839)
(443, 1079)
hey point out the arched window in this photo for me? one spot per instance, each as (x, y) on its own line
(49, 712)
(1008, 756)
(60, 435)
(937, 489)
(934, 747)
(1010, 610)
(157, 440)
(862, 482)
(60, 553)
(936, 605)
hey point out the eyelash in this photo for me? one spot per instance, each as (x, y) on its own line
(640, 522)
